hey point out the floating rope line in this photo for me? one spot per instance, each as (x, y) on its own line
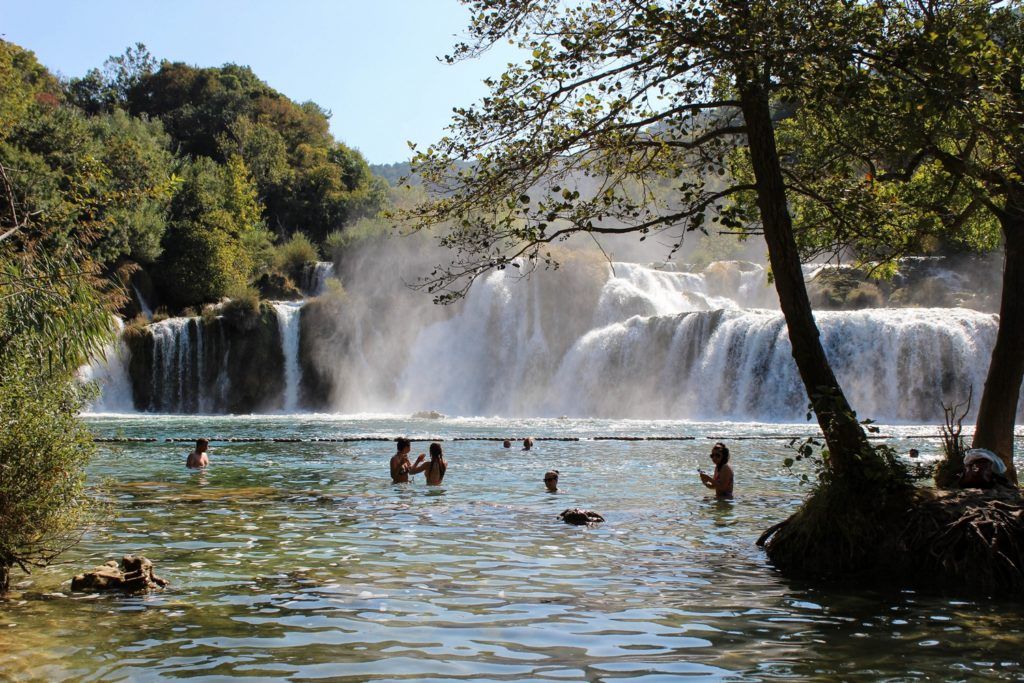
(356, 439)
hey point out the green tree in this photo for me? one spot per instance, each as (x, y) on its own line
(105, 90)
(55, 314)
(621, 92)
(921, 146)
(307, 181)
(216, 238)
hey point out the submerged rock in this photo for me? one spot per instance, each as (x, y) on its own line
(134, 576)
(429, 415)
(580, 517)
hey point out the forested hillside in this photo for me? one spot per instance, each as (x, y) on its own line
(190, 183)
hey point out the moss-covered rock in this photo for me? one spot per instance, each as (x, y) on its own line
(255, 362)
(139, 341)
(320, 338)
(844, 290)
(279, 287)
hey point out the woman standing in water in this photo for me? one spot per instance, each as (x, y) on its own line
(437, 467)
(721, 482)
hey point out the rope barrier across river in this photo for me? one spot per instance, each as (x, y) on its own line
(356, 439)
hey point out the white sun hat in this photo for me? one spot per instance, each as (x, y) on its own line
(976, 454)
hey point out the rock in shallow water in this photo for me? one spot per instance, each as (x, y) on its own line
(580, 517)
(134, 576)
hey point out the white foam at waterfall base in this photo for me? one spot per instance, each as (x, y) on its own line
(288, 323)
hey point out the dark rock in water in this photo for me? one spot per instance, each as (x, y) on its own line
(429, 415)
(134, 576)
(580, 517)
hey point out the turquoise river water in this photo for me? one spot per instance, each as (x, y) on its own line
(301, 561)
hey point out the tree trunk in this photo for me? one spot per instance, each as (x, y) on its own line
(997, 412)
(847, 442)
(5, 579)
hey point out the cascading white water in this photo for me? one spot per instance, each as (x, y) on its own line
(110, 373)
(893, 364)
(175, 382)
(318, 276)
(288, 323)
(147, 312)
(667, 344)
(619, 340)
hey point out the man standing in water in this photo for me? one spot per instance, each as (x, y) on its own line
(401, 468)
(198, 459)
(721, 482)
(437, 466)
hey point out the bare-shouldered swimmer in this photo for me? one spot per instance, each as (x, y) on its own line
(401, 468)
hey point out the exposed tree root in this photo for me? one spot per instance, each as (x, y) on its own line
(962, 542)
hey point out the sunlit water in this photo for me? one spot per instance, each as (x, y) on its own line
(301, 561)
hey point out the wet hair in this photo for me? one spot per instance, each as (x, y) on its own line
(402, 443)
(527, 443)
(551, 474)
(725, 455)
(507, 444)
(202, 442)
(435, 450)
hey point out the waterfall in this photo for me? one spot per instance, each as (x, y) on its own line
(176, 382)
(621, 340)
(288, 322)
(669, 344)
(316, 276)
(893, 364)
(147, 312)
(110, 373)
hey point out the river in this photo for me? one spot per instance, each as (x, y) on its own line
(301, 561)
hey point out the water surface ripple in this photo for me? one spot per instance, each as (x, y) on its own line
(300, 561)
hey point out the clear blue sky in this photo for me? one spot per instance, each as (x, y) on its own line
(371, 62)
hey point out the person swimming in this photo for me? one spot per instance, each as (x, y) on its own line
(198, 458)
(722, 480)
(401, 468)
(527, 443)
(437, 466)
(551, 481)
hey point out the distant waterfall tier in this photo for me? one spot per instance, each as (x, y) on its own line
(315, 277)
(737, 365)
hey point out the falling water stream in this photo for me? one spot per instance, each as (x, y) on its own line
(288, 322)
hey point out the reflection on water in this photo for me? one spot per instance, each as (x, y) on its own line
(302, 561)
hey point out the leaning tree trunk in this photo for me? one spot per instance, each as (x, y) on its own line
(997, 413)
(5, 579)
(847, 442)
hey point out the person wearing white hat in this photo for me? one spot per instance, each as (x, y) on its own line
(983, 469)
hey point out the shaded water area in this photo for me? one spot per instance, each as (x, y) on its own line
(301, 561)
